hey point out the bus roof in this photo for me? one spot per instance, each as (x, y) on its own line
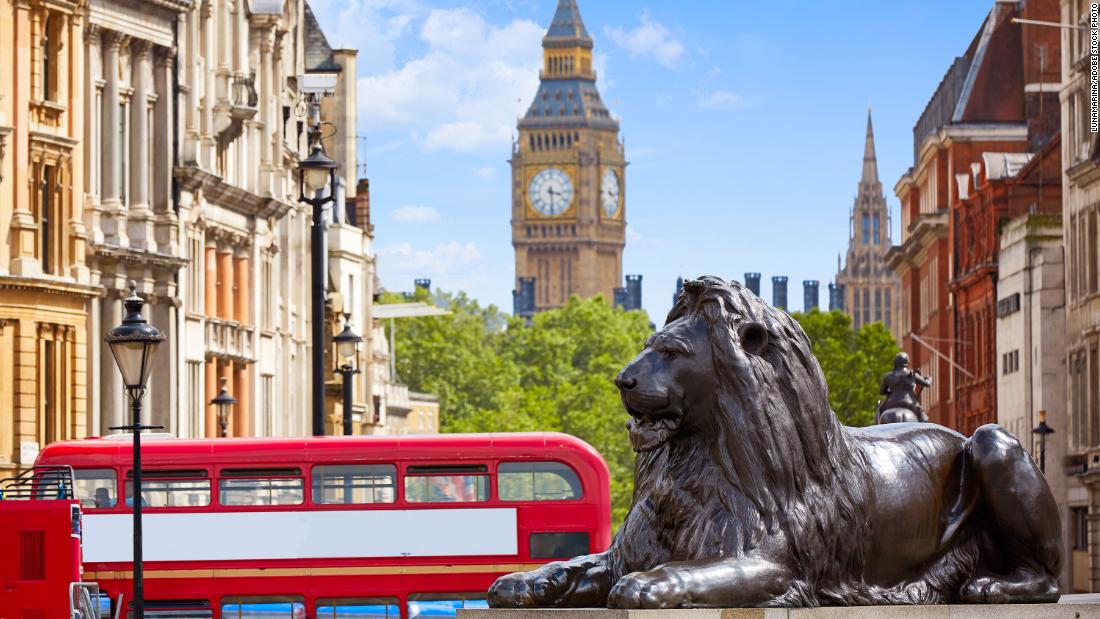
(173, 452)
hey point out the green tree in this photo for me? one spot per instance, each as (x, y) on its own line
(554, 374)
(853, 361)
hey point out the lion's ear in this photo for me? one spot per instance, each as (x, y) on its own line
(754, 337)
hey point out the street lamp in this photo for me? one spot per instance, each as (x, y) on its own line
(133, 344)
(347, 348)
(223, 401)
(316, 173)
(1043, 430)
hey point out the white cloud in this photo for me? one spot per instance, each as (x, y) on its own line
(371, 26)
(467, 88)
(649, 38)
(410, 214)
(486, 171)
(446, 258)
(723, 100)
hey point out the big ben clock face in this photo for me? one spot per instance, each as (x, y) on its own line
(610, 191)
(551, 192)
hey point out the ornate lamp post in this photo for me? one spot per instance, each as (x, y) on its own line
(316, 173)
(133, 344)
(1042, 430)
(347, 348)
(223, 401)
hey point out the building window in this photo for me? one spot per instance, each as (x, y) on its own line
(1090, 243)
(1010, 362)
(48, 217)
(878, 305)
(267, 392)
(268, 314)
(866, 230)
(50, 48)
(866, 306)
(886, 308)
(877, 230)
(1079, 527)
(195, 277)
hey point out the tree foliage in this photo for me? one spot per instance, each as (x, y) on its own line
(853, 361)
(494, 373)
(498, 374)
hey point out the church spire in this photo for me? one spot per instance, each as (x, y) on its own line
(870, 162)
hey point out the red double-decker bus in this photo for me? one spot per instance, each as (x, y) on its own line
(381, 527)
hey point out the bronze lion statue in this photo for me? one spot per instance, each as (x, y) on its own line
(749, 492)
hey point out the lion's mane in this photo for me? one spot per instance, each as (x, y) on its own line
(783, 462)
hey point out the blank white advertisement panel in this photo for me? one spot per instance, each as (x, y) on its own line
(228, 536)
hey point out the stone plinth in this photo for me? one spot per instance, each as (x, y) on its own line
(1069, 607)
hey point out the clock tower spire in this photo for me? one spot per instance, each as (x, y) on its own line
(568, 181)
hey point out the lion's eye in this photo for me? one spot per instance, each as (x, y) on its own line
(669, 354)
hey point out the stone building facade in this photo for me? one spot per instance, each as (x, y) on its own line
(245, 289)
(1030, 354)
(128, 203)
(870, 288)
(1080, 217)
(45, 282)
(568, 183)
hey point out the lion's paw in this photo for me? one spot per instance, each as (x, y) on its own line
(659, 588)
(525, 589)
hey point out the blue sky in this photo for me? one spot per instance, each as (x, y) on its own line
(744, 126)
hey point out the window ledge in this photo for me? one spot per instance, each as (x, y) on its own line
(50, 105)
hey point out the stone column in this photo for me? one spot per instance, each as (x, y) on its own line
(276, 132)
(210, 281)
(210, 420)
(242, 310)
(267, 105)
(110, 380)
(242, 410)
(114, 233)
(225, 285)
(92, 74)
(208, 156)
(139, 222)
(225, 370)
(166, 229)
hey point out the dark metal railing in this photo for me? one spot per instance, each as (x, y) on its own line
(39, 483)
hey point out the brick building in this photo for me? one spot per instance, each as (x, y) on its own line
(987, 128)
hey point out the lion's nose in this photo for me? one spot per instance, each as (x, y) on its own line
(622, 382)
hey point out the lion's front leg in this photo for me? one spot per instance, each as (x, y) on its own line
(579, 582)
(719, 583)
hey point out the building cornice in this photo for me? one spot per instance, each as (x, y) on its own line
(127, 254)
(49, 286)
(926, 229)
(216, 191)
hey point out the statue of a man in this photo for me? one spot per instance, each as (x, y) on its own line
(900, 388)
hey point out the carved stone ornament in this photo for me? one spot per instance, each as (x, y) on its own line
(749, 492)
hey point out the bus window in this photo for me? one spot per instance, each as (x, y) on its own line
(447, 484)
(170, 489)
(537, 481)
(558, 545)
(261, 487)
(355, 483)
(267, 607)
(358, 608)
(95, 487)
(443, 604)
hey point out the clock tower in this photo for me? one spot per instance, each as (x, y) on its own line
(568, 181)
